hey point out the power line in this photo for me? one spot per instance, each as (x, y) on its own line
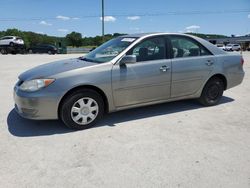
(146, 14)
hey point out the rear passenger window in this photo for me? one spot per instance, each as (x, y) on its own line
(184, 47)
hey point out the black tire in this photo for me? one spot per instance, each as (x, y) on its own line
(49, 52)
(68, 103)
(11, 44)
(3, 51)
(212, 92)
(30, 51)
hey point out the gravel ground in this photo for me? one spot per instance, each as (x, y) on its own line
(179, 144)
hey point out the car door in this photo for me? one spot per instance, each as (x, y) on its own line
(191, 65)
(146, 80)
(8, 40)
(41, 49)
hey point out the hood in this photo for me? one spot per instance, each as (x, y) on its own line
(50, 69)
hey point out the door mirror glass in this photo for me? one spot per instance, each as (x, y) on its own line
(128, 59)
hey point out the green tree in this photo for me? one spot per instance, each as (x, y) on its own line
(74, 39)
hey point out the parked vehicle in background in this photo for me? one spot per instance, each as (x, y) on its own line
(233, 47)
(43, 48)
(11, 41)
(127, 72)
(221, 46)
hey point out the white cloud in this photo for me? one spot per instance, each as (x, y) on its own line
(63, 17)
(135, 28)
(45, 23)
(108, 19)
(63, 30)
(192, 28)
(133, 18)
(40, 32)
(248, 16)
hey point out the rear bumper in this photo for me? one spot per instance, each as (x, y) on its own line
(235, 79)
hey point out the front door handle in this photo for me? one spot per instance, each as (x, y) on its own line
(209, 62)
(164, 68)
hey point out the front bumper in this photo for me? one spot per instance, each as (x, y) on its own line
(36, 105)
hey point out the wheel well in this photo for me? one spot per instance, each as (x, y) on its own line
(222, 77)
(98, 90)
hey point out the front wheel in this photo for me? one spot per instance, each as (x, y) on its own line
(82, 109)
(212, 92)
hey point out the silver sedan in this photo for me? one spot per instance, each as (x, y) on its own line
(127, 72)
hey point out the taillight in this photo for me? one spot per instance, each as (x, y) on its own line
(241, 61)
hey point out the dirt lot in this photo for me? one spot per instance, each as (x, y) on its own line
(178, 144)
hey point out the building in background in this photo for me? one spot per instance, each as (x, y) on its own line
(244, 41)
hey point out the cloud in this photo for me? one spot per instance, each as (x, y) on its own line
(248, 16)
(192, 28)
(135, 28)
(40, 32)
(108, 19)
(63, 17)
(75, 18)
(45, 23)
(63, 30)
(133, 18)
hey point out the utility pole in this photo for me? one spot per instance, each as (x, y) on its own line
(102, 20)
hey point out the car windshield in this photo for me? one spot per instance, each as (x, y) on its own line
(109, 50)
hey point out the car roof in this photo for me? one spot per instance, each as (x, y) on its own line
(139, 35)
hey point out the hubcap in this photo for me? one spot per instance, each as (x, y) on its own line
(84, 111)
(213, 92)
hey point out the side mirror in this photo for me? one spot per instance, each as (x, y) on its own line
(128, 59)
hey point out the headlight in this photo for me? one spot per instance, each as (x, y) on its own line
(34, 85)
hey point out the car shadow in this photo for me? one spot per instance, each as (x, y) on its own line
(21, 127)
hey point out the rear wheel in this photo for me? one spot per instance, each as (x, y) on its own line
(49, 52)
(82, 109)
(3, 51)
(212, 92)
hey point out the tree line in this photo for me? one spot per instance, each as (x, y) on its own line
(74, 39)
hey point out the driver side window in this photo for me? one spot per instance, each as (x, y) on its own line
(149, 49)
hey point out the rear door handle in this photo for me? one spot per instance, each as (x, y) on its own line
(209, 62)
(164, 68)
